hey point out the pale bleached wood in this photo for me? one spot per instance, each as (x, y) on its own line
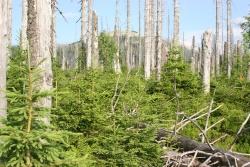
(206, 54)
(38, 34)
(147, 40)
(229, 38)
(218, 37)
(176, 33)
(53, 29)
(159, 37)
(23, 37)
(4, 44)
(193, 56)
(117, 66)
(89, 34)
(95, 50)
(128, 45)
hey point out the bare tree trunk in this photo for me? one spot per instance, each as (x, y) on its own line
(9, 23)
(128, 47)
(218, 41)
(38, 34)
(89, 40)
(199, 59)
(159, 37)
(53, 29)
(193, 57)
(176, 23)
(95, 50)
(117, 66)
(5, 24)
(206, 54)
(168, 29)
(24, 40)
(229, 38)
(153, 35)
(239, 52)
(140, 46)
(63, 59)
(83, 21)
(147, 40)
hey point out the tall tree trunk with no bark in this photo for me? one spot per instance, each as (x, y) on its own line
(89, 40)
(128, 47)
(95, 51)
(176, 37)
(117, 65)
(206, 54)
(24, 40)
(229, 38)
(38, 34)
(218, 37)
(147, 40)
(159, 37)
(5, 41)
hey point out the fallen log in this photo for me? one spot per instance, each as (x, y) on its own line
(204, 152)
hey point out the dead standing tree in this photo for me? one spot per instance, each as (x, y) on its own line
(147, 40)
(5, 41)
(159, 37)
(38, 34)
(206, 54)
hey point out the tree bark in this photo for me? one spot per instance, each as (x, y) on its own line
(38, 34)
(95, 51)
(159, 37)
(89, 40)
(229, 38)
(147, 40)
(218, 37)
(24, 40)
(206, 54)
(176, 23)
(5, 25)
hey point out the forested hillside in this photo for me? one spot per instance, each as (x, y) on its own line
(123, 98)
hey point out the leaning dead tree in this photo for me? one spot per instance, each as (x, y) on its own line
(38, 34)
(206, 55)
(117, 65)
(229, 38)
(176, 34)
(89, 34)
(147, 40)
(188, 152)
(218, 36)
(159, 37)
(5, 41)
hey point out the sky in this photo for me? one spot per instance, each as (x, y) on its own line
(196, 16)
